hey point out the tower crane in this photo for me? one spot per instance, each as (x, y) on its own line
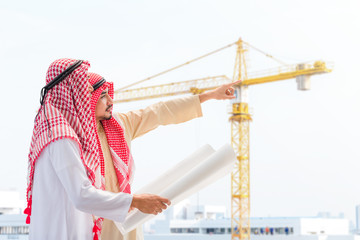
(240, 117)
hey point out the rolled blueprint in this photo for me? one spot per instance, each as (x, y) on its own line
(204, 173)
(177, 171)
(172, 175)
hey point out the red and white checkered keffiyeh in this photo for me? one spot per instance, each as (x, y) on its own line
(122, 158)
(66, 113)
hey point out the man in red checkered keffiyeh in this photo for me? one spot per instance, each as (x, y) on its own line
(114, 151)
(117, 130)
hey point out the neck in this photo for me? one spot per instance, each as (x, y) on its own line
(98, 124)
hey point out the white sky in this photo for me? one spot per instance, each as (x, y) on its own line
(304, 145)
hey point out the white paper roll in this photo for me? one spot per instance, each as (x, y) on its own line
(204, 173)
(170, 176)
(207, 172)
(177, 171)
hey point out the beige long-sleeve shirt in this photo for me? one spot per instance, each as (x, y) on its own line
(135, 124)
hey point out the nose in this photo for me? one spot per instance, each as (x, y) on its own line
(109, 100)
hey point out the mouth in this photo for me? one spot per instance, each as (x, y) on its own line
(109, 109)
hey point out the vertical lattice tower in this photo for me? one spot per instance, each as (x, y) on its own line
(240, 177)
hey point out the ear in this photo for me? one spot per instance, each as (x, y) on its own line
(90, 88)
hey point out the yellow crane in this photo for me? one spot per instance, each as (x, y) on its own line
(240, 116)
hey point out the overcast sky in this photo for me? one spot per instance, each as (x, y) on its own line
(304, 145)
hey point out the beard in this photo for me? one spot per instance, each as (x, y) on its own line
(108, 117)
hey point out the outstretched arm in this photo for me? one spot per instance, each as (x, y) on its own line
(174, 111)
(223, 92)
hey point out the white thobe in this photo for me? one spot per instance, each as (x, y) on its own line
(64, 200)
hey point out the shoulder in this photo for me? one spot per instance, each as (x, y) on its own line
(64, 144)
(63, 153)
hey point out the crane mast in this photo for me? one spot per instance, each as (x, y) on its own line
(240, 177)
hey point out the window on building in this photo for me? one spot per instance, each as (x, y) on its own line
(14, 230)
(184, 230)
(255, 231)
(272, 231)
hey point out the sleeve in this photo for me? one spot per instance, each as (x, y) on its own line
(173, 111)
(85, 197)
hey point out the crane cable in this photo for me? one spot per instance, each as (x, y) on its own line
(266, 54)
(171, 69)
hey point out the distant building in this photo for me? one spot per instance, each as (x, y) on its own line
(357, 211)
(10, 202)
(209, 222)
(13, 226)
(12, 221)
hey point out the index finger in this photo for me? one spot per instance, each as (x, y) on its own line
(234, 83)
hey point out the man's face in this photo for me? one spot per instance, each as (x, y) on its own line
(103, 109)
